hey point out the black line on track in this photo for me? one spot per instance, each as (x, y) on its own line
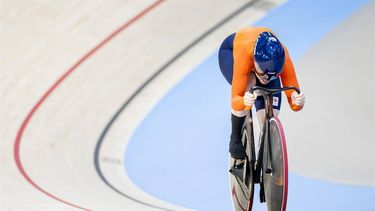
(131, 98)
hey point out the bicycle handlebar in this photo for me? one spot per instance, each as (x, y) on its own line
(270, 91)
(273, 91)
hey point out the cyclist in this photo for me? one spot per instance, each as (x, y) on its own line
(255, 56)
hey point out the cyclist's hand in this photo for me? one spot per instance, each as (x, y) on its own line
(298, 99)
(249, 99)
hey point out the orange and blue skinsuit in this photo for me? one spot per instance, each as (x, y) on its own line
(239, 48)
(236, 61)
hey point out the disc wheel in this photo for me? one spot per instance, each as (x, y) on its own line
(275, 168)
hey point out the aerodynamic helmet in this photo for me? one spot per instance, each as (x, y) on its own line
(269, 56)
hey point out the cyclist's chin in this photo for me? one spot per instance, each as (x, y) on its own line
(264, 82)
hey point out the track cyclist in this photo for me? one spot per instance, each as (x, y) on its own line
(255, 56)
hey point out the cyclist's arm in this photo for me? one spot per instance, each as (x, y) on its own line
(289, 78)
(241, 66)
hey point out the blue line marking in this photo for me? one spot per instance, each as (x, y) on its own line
(180, 152)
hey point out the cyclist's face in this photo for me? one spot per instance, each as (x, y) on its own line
(263, 78)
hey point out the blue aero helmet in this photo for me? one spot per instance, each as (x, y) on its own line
(269, 57)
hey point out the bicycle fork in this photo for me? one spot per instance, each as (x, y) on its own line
(268, 167)
(264, 144)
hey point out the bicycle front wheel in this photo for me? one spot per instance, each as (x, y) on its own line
(275, 167)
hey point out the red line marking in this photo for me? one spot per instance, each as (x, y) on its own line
(235, 195)
(25, 122)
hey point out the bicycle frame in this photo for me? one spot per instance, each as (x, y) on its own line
(269, 114)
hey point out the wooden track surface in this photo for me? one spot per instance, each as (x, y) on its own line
(41, 41)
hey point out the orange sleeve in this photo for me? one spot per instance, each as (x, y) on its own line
(289, 78)
(241, 66)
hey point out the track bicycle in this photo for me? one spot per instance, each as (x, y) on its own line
(267, 167)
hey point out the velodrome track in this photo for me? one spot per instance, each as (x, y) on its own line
(63, 142)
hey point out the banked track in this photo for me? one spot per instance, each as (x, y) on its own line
(49, 92)
(102, 137)
(164, 67)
